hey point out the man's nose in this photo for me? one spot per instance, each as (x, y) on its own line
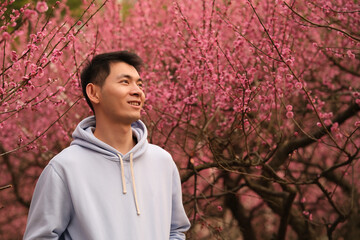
(136, 90)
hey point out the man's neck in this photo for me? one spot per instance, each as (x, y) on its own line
(117, 135)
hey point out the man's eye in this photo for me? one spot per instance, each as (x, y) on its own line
(124, 81)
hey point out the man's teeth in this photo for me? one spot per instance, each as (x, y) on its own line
(134, 103)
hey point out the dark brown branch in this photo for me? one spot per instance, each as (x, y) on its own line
(285, 215)
(288, 147)
(341, 67)
(232, 202)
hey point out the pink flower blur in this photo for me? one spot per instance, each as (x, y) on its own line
(42, 6)
(289, 114)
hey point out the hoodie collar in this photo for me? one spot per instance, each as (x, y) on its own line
(84, 136)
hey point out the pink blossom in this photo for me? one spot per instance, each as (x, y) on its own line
(289, 114)
(57, 53)
(18, 107)
(289, 108)
(289, 77)
(357, 124)
(298, 85)
(335, 127)
(61, 88)
(289, 61)
(5, 36)
(54, 59)
(42, 6)
(327, 122)
(71, 37)
(32, 47)
(40, 72)
(16, 66)
(339, 136)
(357, 101)
(246, 123)
(32, 67)
(30, 14)
(43, 60)
(40, 35)
(33, 37)
(219, 208)
(350, 54)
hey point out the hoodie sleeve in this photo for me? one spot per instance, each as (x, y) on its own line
(50, 207)
(179, 221)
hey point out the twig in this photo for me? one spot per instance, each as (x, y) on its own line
(320, 25)
(5, 187)
(40, 135)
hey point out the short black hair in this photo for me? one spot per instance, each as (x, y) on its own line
(98, 69)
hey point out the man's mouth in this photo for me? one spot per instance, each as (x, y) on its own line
(134, 103)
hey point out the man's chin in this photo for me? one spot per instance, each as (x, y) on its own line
(133, 119)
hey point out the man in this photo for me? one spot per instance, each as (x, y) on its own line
(110, 183)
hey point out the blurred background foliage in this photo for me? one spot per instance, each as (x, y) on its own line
(75, 6)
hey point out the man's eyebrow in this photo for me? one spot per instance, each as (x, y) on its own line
(128, 76)
(124, 76)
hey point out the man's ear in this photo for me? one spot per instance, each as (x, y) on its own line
(93, 92)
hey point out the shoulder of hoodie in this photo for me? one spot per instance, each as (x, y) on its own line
(159, 151)
(161, 154)
(67, 155)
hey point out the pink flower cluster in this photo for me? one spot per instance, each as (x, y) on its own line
(41, 6)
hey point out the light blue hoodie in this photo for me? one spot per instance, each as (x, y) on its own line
(92, 191)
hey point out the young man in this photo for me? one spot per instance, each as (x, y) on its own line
(110, 183)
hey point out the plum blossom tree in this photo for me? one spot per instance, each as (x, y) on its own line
(39, 86)
(258, 102)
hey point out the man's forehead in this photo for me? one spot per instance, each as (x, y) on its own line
(123, 69)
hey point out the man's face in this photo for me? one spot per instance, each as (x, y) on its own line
(121, 96)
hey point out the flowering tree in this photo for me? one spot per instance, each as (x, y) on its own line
(40, 60)
(258, 102)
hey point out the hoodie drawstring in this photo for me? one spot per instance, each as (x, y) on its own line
(122, 174)
(132, 178)
(133, 183)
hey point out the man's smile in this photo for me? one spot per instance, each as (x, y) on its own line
(135, 103)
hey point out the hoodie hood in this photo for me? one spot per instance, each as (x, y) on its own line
(84, 136)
